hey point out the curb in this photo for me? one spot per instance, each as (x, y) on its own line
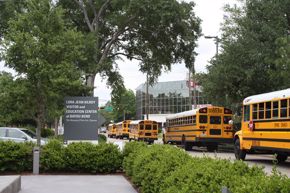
(12, 184)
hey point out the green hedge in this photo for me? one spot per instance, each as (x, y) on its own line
(102, 138)
(54, 157)
(81, 157)
(148, 166)
(166, 169)
(15, 157)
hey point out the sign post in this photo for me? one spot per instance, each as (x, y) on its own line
(81, 118)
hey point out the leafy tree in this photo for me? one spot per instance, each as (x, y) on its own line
(44, 51)
(157, 33)
(254, 52)
(108, 115)
(8, 10)
(124, 106)
(13, 100)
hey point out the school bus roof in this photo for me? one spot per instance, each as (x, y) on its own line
(126, 121)
(267, 96)
(182, 114)
(135, 122)
(138, 121)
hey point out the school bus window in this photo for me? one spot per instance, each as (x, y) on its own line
(268, 110)
(147, 127)
(283, 108)
(227, 119)
(275, 109)
(255, 111)
(215, 120)
(194, 120)
(261, 110)
(289, 107)
(141, 127)
(247, 113)
(202, 119)
(154, 127)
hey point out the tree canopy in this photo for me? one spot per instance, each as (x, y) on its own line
(255, 50)
(157, 33)
(44, 51)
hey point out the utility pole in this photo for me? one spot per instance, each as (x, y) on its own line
(192, 79)
(217, 40)
(189, 89)
(147, 97)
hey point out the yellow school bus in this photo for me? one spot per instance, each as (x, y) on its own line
(143, 130)
(111, 130)
(122, 129)
(206, 126)
(265, 125)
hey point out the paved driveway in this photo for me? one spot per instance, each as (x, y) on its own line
(75, 184)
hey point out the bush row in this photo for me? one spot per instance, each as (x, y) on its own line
(15, 156)
(76, 157)
(166, 169)
(81, 157)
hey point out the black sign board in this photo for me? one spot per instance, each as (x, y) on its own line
(81, 118)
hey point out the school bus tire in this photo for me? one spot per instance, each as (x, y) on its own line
(212, 147)
(188, 146)
(240, 154)
(281, 157)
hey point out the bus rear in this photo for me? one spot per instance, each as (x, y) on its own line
(215, 126)
(148, 131)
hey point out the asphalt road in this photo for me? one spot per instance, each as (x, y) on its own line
(266, 161)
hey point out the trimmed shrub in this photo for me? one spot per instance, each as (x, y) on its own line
(15, 157)
(209, 175)
(102, 138)
(133, 146)
(52, 156)
(153, 164)
(87, 157)
(47, 132)
(168, 170)
(130, 151)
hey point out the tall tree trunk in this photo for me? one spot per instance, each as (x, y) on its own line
(90, 82)
(40, 117)
(56, 126)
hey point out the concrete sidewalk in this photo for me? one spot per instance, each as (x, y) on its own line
(10, 184)
(75, 184)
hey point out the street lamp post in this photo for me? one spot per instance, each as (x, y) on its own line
(217, 40)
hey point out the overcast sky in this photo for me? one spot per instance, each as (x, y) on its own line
(211, 13)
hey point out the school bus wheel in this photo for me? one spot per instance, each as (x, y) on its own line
(281, 157)
(240, 154)
(212, 147)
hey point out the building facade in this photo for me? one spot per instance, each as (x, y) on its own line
(167, 98)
